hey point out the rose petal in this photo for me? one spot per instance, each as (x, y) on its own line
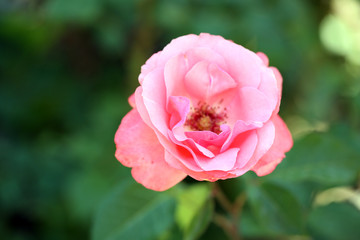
(178, 108)
(220, 81)
(205, 158)
(197, 80)
(205, 80)
(221, 162)
(149, 66)
(154, 99)
(199, 54)
(138, 147)
(250, 105)
(279, 81)
(174, 74)
(178, 46)
(268, 86)
(141, 107)
(183, 156)
(208, 138)
(247, 142)
(179, 138)
(239, 127)
(266, 136)
(263, 58)
(242, 64)
(282, 143)
(131, 100)
(199, 175)
(265, 139)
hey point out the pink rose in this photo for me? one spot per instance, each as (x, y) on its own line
(206, 107)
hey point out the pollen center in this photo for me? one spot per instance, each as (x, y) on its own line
(206, 118)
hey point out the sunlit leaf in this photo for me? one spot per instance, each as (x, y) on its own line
(194, 210)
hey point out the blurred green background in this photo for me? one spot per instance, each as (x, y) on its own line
(67, 68)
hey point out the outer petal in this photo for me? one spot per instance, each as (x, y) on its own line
(154, 99)
(149, 66)
(177, 46)
(279, 81)
(282, 143)
(263, 57)
(138, 147)
(131, 100)
(269, 87)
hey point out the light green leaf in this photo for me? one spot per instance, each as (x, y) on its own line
(194, 210)
(133, 212)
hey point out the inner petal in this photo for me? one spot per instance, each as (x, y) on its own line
(203, 53)
(178, 108)
(204, 81)
(208, 138)
(174, 74)
(251, 106)
(197, 80)
(220, 81)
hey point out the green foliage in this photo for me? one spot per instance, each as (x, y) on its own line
(274, 210)
(131, 206)
(194, 210)
(67, 69)
(179, 212)
(335, 221)
(329, 158)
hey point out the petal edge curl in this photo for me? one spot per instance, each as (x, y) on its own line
(138, 147)
(282, 143)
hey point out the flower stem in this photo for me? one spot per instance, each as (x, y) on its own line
(230, 226)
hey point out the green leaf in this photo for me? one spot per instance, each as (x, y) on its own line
(274, 210)
(133, 212)
(84, 193)
(194, 211)
(337, 221)
(326, 158)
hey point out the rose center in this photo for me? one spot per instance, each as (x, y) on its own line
(206, 118)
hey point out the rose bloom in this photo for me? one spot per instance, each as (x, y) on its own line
(206, 107)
